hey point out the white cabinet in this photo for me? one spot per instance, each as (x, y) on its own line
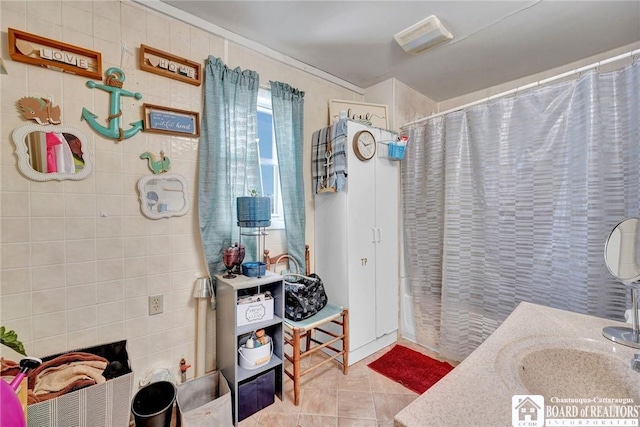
(356, 246)
(230, 334)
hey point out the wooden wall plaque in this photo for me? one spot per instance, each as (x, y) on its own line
(171, 121)
(168, 65)
(54, 55)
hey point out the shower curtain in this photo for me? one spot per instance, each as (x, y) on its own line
(513, 200)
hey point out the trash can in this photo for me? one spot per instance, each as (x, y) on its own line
(205, 402)
(152, 405)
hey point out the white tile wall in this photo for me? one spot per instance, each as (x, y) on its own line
(111, 291)
(81, 318)
(137, 287)
(50, 301)
(47, 277)
(15, 281)
(78, 260)
(43, 229)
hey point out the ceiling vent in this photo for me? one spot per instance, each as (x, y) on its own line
(423, 35)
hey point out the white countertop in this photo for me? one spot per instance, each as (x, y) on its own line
(476, 393)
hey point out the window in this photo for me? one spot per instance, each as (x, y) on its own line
(269, 158)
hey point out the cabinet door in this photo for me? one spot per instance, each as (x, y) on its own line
(386, 255)
(331, 234)
(361, 252)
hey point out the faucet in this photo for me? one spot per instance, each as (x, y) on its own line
(635, 362)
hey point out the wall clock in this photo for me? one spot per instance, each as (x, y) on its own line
(364, 145)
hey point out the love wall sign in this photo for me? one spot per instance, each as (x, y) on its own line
(54, 55)
(370, 114)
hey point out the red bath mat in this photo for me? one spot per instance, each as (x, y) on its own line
(410, 368)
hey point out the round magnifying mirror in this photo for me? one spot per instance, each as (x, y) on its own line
(622, 251)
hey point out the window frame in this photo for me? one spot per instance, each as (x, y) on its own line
(277, 216)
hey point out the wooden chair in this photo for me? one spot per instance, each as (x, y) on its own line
(309, 328)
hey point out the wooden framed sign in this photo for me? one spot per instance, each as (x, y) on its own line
(371, 114)
(171, 121)
(168, 65)
(55, 55)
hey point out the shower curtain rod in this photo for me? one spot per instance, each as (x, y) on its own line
(529, 86)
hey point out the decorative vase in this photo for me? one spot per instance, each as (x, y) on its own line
(229, 258)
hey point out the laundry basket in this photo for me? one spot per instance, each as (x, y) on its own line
(205, 402)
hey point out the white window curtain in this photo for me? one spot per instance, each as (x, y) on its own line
(513, 201)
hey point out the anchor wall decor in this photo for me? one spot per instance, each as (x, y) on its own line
(114, 81)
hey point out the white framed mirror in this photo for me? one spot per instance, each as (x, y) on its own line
(164, 195)
(47, 152)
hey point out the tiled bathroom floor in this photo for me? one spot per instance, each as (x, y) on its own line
(363, 398)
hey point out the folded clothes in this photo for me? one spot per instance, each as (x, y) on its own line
(75, 385)
(56, 378)
(62, 360)
(64, 374)
(68, 372)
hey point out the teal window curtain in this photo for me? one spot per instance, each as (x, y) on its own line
(228, 156)
(287, 106)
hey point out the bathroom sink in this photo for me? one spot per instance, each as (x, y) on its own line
(567, 367)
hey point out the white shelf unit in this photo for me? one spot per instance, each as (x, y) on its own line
(229, 334)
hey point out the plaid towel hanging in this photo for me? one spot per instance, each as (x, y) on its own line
(335, 175)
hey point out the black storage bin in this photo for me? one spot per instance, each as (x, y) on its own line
(256, 394)
(152, 405)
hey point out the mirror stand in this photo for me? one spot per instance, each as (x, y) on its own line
(627, 336)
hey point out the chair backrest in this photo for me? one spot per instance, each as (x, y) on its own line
(284, 261)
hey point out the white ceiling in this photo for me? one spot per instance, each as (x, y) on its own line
(494, 41)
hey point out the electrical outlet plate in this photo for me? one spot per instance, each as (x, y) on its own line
(155, 305)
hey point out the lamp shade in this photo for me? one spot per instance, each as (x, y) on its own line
(254, 211)
(202, 288)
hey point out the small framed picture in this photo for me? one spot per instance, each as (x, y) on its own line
(171, 121)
